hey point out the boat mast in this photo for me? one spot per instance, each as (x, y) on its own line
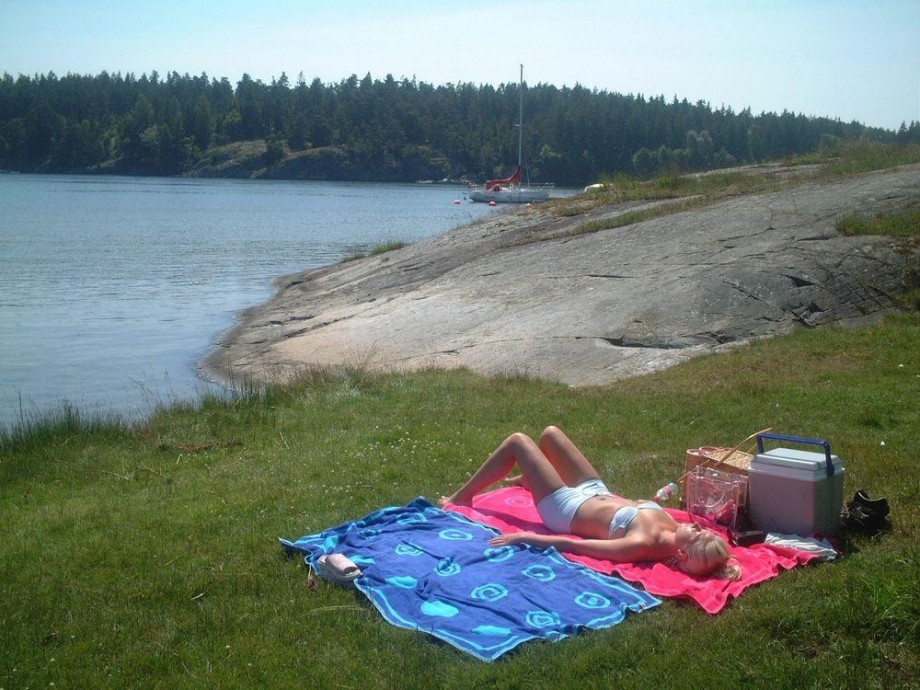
(521, 117)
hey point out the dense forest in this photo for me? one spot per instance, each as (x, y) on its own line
(390, 130)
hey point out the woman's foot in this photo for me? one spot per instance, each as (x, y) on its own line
(455, 500)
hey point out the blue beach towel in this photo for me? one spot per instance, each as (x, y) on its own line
(433, 570)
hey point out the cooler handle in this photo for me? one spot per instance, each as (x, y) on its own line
(800, 439)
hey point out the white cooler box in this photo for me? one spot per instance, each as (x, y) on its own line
(795, 491)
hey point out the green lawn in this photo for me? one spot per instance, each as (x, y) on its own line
(146, 556)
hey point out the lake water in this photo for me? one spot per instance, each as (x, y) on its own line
(113, 288)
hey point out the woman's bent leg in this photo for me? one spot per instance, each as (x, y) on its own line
(518, 449)
(570, 463)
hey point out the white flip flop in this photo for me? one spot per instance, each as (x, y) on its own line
(338, 568)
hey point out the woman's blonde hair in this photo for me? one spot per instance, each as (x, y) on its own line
(710, 555)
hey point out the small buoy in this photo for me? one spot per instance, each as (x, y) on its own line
(456, 201)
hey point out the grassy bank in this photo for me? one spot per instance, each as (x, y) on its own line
(696, 190)
(146, 556)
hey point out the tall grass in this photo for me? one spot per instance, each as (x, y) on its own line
(376, 250)
(145, 555)
(904, 225)
(856, 157)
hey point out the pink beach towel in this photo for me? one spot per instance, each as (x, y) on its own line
(512, 509)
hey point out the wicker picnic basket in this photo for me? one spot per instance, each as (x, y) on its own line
(731, 460)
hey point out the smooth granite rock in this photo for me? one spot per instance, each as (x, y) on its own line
(522, 292)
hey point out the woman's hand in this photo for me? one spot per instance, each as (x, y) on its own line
(540, 540)
(508, 539)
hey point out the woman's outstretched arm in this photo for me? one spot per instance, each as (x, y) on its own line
(622, 550)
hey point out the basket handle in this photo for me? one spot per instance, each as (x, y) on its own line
(800, 439)
(758, 434)
(707, 463)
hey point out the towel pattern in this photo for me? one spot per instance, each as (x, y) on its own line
(433, 570)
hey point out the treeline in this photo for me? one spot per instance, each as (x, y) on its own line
(382, 130)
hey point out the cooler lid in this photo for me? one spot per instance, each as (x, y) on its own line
(798, 460)
(831, 462)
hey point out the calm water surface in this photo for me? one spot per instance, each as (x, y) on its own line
(112, 289)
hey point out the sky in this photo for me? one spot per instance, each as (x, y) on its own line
(845, 59)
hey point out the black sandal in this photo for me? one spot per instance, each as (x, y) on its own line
(866, 515)
(877, 505)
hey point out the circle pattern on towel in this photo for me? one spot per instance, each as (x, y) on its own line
(492, 591)
(408, 549)
(543, 573)
(592, 600)
(542, 619)
(455, 535)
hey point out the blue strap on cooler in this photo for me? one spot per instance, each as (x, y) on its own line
(800, 439)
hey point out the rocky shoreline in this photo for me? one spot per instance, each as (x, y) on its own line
(529, 293)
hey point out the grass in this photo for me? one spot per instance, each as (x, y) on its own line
(701, 189)
(376, 250)
(855, 157)
(632, 217)
(145, 555)
(904, 225)
(905, 228)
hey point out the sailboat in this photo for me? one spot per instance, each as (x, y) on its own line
(513, 189)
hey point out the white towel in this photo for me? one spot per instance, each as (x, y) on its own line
(821, 547)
